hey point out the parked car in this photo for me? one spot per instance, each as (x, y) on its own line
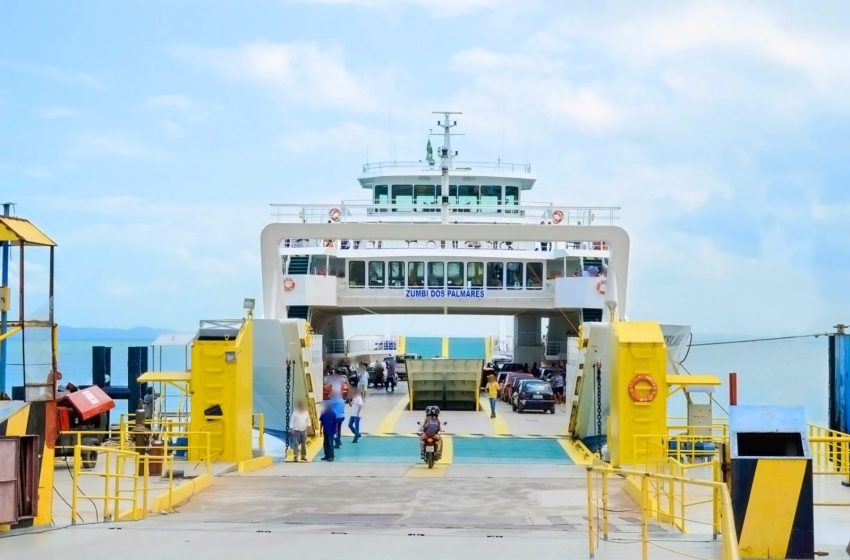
(507, 386)
(546, 373)
(533, 394)
(401, 365)
(512, 366)
(376, 374)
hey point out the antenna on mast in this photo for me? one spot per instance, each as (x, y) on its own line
(446, 157)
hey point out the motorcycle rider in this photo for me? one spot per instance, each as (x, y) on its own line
(431, 427)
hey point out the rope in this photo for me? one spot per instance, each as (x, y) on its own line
(674, 551)
(765, 339)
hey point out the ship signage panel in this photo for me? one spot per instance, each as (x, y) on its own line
(441, 293)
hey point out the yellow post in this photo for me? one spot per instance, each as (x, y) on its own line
(591, 540)
(715, 498)
(605, 505)
(106, 489)
(74, 476)
(644, 516)
(145, 484)
(119, 470)
(445, 349)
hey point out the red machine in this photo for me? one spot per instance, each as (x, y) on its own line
(82, 410)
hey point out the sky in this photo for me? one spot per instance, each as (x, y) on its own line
(149, 137)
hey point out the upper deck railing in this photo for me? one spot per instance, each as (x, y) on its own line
(458, 166)
(370, 212)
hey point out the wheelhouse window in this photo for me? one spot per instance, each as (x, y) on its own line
(467, 195)
(511, 196)
(513, 275)
(534, 275)
(454, 275)
(396, 274)
(452, 194)
(381, 195)
(436, 274)
(416, 274)
(491, 196)
(475, 274)
(357, 274)
(376, 274)
(495, 278)
(402, 195)
(425, 196)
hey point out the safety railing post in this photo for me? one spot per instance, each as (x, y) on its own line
(74, 478)
(644, 516)
(106, 487)
(591, 538)
(605, 505)
(715, 498)
(119, 470)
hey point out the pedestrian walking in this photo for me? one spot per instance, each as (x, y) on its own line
(327, 421)
(338, 407)
(299, 423)
(492, 393)
(362, 379)
(354, 419)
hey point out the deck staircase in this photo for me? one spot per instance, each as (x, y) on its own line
(298, 264)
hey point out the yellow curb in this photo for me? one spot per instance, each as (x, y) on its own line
(255, 464)
(181, 493)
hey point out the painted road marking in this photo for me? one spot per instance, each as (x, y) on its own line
(577, 454)
(313, 447)
(387, 425)
(498, 425)
(421, 470)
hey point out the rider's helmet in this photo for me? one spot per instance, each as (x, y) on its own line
(433, 410)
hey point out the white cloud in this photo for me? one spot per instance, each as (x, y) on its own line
(437, 8)
(109, 144)
(171, 101)
(58, 112)
(305, 72)
(347, 136)
(534, 87)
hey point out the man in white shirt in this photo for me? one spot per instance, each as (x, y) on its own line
(354, 418)
(299, 422)
(362, 379)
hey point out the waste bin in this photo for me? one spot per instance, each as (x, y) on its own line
(771, 469)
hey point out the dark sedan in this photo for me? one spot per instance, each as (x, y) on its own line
(533, 394)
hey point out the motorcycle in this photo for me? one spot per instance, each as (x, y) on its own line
(432, 450)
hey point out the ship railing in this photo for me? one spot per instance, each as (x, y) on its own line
(366, 211)
(675, 497)
(424, 165)
(460, 244)
(830, 451)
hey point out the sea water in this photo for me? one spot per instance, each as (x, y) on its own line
(786, 372)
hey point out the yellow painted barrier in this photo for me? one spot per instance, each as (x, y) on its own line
(254, 464)
(166, 501)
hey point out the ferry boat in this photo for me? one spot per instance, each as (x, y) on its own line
(446, 236)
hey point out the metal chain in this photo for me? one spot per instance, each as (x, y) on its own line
(598, 368)
(289, 364)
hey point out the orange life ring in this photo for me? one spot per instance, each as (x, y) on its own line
(643, 397)
(335, 214)
(557, 216)
(602, 286)
(288, 284)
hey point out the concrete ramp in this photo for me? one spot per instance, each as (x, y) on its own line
(449, 384)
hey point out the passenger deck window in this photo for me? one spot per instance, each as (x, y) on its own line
(495, 278)
(381, 194)
(514, 275)
(436, 274)
(534, 275)
(454, 275)
(376, 274)
(357, 274)
(416, 274)
(475, 274)
(396, 274)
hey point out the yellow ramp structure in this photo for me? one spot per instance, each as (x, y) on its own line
(222, 389)
(638, 392)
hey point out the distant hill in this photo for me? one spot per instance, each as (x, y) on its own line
(92, 333)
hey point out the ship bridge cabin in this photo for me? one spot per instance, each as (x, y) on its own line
(447, 237)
